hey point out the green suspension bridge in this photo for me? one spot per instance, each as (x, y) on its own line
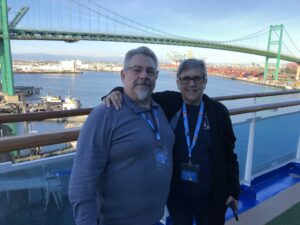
(75, 20)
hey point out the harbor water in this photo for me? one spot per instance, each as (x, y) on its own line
(90, 86)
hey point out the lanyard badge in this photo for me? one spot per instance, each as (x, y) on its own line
(160, 153)
(190, 172)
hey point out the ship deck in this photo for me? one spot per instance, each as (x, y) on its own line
(269, 196)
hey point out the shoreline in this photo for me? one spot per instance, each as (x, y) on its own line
(254, 80)
(46, 72)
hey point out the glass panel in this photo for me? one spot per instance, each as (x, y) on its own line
(276, 140)
(241, 131)
(36, 192)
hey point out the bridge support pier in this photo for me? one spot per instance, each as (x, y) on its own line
(298, 72)
(5, 53)
(266, 68)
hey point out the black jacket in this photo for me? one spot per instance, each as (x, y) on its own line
(225, 169)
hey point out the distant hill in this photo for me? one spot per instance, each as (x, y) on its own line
(48, 57)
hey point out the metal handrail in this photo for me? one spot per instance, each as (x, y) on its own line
(35, 140)
(256, 95)
(35, 116)
(257, 108)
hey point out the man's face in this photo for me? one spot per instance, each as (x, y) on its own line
(139, 78)
(191, 84)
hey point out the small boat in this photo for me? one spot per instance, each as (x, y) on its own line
(52, 99)
(59, 103)
(71, 103)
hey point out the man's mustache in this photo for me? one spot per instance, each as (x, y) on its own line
(145, 82)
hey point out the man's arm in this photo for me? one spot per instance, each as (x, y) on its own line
(89, 163)
(170, 102)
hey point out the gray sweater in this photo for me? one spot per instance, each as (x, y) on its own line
(114, 177)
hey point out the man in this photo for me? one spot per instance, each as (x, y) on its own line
(206, 172)
(123, 164)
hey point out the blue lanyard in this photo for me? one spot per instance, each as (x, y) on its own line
(155, 126)
(186, 128)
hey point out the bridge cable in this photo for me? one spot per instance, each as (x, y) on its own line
(283, 43)
(50, 8)
(89, 15)
(108, 17)
(249, 36)
(60, 15)
(123, 23)
(241, 41)
(39, 13)
(71, 16)
(291, 39)
(132, 21)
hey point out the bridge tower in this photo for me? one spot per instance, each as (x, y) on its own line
(275, 39)
(5, 52)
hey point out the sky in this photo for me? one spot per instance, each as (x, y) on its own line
(216, 20)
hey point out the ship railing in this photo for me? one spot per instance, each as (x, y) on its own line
(13, 143)
(37, 116)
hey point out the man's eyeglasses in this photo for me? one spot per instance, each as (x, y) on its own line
(196, 79)
(136, 70)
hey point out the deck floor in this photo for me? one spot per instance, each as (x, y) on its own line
(270, 208)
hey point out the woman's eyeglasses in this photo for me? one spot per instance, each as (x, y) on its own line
(195, 79)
